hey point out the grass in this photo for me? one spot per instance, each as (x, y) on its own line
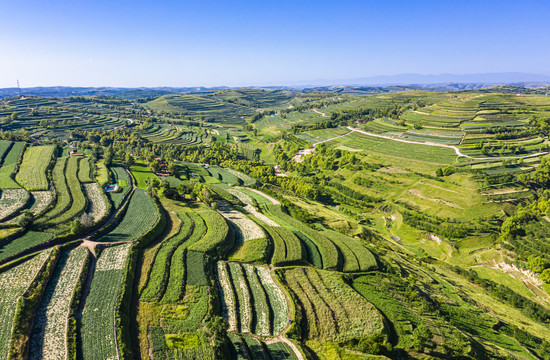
(121, 178)
(102, 173)
(32, 173)
(141, 173)
(85, 170)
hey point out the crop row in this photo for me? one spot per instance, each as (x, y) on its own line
(22, 243)
(333, 310)
(62, 191)
(288, 248)
(244, 346)
(98, 206)
(176, 282)
(331, 257)
(161, 269)
(49, 337)
(85, 170)
(32, 173)
(97, 329)
(13, 284)
(356, 256)
(11, 201)
(140, 216)
(9, 165)
(79, 201)
(245, 228)
(216, 237)
(250, 206)
(251, 300)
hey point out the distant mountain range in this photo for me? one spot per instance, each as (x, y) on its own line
(420, 79)
(506, 82)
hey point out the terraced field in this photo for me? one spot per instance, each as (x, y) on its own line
(8, 165)
(140, 216)
(49, 337)
(32, 173)
(97, 325)
(13, 284)
(252, 301)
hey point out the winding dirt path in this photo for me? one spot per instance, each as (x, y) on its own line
(320, 113)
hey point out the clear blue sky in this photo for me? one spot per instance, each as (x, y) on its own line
(264, 42)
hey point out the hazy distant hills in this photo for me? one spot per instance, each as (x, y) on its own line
(510, 82)
(420, 79)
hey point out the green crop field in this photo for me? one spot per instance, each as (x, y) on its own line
(13, 284)
(49, 334)
(8, 166)
(32, 173)
(97, 330)
(22, 243)
(121, 179)
(140, 216)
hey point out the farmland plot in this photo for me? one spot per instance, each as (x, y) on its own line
(13, 283)
(162, 266)
(26, 241)
(97, 329)
(140, 216)
(98, 205)
(216, 234)
(11, 201)
(61, 190)
(245, 228)
(250, 208)
(41, 201)
(262, 312)
(78, 199)
(49, 337)
(334, 311)
(85, 170)
(32, 173)
(288, 248)
(331, 256)
(243, 296)
(8, 166)
(276, 299)
(177, 276)
(121, 179)
(229, 306)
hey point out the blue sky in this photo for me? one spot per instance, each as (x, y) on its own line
(240, 43)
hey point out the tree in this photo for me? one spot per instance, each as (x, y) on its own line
(536, 264)
(26, 220)
(216, 330)
(128, 160)
(422, 338)
(154, 166)
(76, 226)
